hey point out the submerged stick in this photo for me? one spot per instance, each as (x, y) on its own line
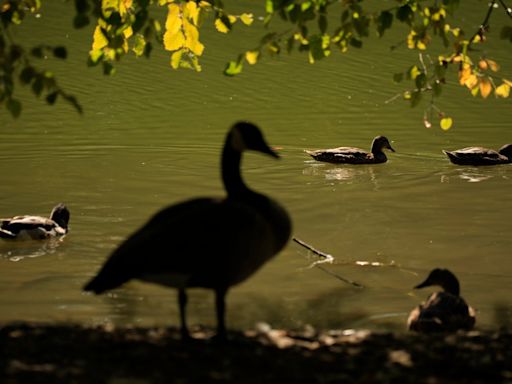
(328, 259)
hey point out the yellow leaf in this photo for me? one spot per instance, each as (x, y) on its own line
(221, 27)
(192, 38)
(124, 6)
(482, 64)
(252, 57)
(474, 91)
(99, 40)
(173, 37)
(464, 73)
(493, 65)
(507, 82)
(204, 4)
(247, 18)
(173, 23)
(414, 72)
(175, 41)
(232, 19)
(446, 123)
(485, 87)
(192, 12)
(421, 45)
(471, 81)
(128, 32)
(503, 90)
(176, 58)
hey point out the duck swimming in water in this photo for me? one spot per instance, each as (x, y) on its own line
(351, 155)
(212, 243)
(36, 227)
(480, 156)
(444, 311)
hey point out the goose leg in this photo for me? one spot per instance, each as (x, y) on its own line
(182, 300)
(220, 307)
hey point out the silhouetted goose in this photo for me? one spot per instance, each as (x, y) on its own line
(351, 155)
(480, 156)
(443, 311)
(206, 242)
(36, 227)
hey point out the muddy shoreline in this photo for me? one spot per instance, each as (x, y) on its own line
(68, 353)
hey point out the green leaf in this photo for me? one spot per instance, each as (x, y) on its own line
(108, 68)
(80, 21)
(233, 68)
(405, 14)
(27, 74)
(52, 97)
(37, 85)
(60, 52)
(384, 21)
(14, 106)
(420, 81)
(356, 43)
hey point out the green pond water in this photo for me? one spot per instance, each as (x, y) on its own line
(151, 136)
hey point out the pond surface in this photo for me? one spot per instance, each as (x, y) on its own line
(151, 136)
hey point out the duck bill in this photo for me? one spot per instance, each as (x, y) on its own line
(426, 283)
(390, 148)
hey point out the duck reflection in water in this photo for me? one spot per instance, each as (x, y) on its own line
(444, 311)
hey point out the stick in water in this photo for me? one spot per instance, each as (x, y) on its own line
(328, 259)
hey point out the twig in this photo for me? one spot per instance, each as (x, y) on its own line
(328, 259)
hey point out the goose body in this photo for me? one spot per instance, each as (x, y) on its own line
(36, 227)
(211, 243)
(444, 311)
(480, 156)
(352, 155)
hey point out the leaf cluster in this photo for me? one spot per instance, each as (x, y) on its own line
(19, 64)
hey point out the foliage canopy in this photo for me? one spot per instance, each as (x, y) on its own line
(313, 27)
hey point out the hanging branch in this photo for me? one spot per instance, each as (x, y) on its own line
(327, 259)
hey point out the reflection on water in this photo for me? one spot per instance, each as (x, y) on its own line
(475, 175)
(18, 250)
(342, 173)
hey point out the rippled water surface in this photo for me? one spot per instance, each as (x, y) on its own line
(151, 136)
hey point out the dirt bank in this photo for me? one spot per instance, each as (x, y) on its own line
(34, 353)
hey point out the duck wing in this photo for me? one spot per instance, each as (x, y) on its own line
(202, 242)
(442, 312)
(476, 156)
(349, 155)
(35, 227)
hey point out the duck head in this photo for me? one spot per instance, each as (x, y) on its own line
(60, 214)
(379, 143)
(443, 278)
(506, 150)
(247, 136)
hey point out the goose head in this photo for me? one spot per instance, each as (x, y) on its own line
(379, 143)
(246, 136)
(443, 278)
(60, 214)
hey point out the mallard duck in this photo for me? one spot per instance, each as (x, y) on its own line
(443, 311)
(36, 227)
(350, 155)
(207, 242)
(480, 156)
